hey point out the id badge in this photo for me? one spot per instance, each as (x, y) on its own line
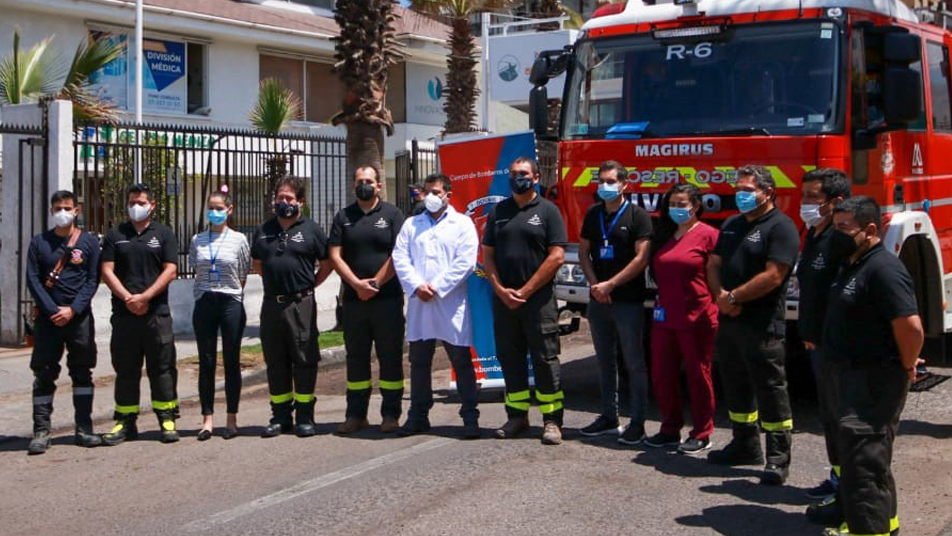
(214, 276)
(658, 314)
(606, 253)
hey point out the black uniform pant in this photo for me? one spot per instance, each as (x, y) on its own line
(214, 312)
(872, 396)
(532, 328)
(827, 375)
(289, 342)
(754, 381)
(376, 324)
(149, 338)
(78, 338)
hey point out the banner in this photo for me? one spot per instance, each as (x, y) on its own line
(426, 93)
(510, 61)
(479, 169)
(164, 75)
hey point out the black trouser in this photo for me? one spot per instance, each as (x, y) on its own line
(872, 396)
(289, 341)
(421, 381)
(377, 323)
(78, 337)
(532, 328)
(216, 311)
(827, 375)
(149, 337)
(755, 386)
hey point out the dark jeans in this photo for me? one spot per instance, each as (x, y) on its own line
(215, 312)
(612, 325)
(421, 389)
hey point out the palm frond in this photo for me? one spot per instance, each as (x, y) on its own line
(25, 76)
(91, 55)
(276, 106)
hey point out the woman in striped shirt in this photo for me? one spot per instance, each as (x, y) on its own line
(221, 259)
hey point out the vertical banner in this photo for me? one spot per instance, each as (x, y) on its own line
(164, 83)
(479, 169)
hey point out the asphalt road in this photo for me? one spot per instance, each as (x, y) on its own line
(437, 484)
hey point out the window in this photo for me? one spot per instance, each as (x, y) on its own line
(920, 123)
(197, 96)
(324, 93)
(939, 86)
(289, 71)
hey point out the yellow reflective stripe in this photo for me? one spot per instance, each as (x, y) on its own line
(358, 386)
(282, 399)
(781, 426)
(894, 524)
(550, 408)
(743, 418)
(160, 405)
(303, 398)
(127, 409)
(836, 470)
(893, 527)
(118, 427)
(391, 386)
(542, 397)
(517, 396)
(168, 426)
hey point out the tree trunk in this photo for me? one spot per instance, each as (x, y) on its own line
(364, 147)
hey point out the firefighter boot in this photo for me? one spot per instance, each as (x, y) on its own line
(169, 434)
(828, 512)
(83, 408)
(513, 427)
(281, 422)
(42, 409)
(778, 458)
(744, 448)
(40, 442)
(304, 417)
(125, 429)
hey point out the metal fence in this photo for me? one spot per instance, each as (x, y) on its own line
(412, 166)
(182, 165)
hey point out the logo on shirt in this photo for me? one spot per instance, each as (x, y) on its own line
(534, 220)
(850, 288)
(153, 243)
(381, 224)
(76, 257)
(298, 237)
(819, 262)
(754, 236)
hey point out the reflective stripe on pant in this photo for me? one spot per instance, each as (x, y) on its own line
(148, 338)
(621, 325)
(827, 375)
(291, 353)
(378, 325)
(532, 328)
(755, 384)
(872, 397)
(78, 338)
(421, 385)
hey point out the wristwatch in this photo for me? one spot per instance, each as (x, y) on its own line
(731, 299)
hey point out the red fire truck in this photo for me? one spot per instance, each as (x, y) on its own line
(690, 90)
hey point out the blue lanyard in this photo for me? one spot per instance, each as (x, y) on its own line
(213, 255)
(614, 221)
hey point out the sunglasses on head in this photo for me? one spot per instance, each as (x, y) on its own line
(140, 186)
(282, 241)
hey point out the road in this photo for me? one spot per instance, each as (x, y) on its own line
(437, 484)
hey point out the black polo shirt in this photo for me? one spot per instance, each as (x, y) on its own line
(816, 271)
(288, 257)
(78, 280)
(745, 247)
(522, 238)
(633, 225)
(366, 241)
(140, 258)
(864, 300)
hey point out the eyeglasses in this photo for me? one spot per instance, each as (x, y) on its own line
(282, 241)
(522, 173)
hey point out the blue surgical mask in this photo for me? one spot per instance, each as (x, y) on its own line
(746, 201)
(679, 214)
(216, 217)
(609, 192)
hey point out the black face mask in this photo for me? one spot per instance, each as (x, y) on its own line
(520, 184)
(365, 191)
(842, 244)
(286, 210)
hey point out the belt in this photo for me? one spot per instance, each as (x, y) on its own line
(287, 298)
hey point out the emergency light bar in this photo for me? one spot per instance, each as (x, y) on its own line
(694, 31)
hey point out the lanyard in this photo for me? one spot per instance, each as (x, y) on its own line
(213, 255)
(614, 221)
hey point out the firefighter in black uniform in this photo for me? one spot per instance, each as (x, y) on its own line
(523, 248)
(748, 272)
(873, 330)
(285, 250)
(62, 274)
(139, 261)
(361, 244)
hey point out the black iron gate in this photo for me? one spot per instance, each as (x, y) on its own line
(412, 166)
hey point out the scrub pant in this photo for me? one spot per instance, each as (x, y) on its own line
(694, 347)
(612, 325)
(532, 328)
(421, 386)
(78, 337)
(147, 337)
(872, 396)
(377, 323)
(214, 312)
(289, 342)
(826, 373)
(755, 387)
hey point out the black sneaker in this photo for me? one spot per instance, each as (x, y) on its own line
(693, 445)
(828, 512)
(602, 425)
(774, 475)
(633, 435)
(414, 427)
(661, 440)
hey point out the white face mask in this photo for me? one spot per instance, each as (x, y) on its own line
(810, 214)
(139, 213)
(63, 218)
(433, 202)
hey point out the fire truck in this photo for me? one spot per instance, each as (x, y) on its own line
(690, 90)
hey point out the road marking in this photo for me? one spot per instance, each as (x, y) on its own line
(314, 484)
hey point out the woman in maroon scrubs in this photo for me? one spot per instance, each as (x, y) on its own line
(685, 319)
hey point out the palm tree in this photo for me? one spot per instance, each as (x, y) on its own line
(275, 108)
(365, 50)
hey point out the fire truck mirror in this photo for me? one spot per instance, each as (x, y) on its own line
(902, 48)
(902, 96)
(539, 110)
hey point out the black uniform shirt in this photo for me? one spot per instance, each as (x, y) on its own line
(288, 257)
(745, 247)
(139, 260)
(78, 279)
(816, 271)
(522, 237)
(633, 225)
(366, 241)
(864, 300)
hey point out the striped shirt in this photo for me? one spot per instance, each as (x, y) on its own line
(232, 262)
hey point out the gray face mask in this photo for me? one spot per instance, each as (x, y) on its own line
(139, 213)
(62, 218)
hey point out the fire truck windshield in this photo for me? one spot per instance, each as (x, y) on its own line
(752, 80)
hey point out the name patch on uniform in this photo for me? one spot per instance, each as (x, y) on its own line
(381, 224)
(298, 237)
(154, 243)
(76, 257)
(754, 236)
(534, 220)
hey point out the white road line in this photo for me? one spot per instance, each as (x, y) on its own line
(313, 485)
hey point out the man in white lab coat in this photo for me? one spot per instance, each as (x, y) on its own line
(434, 255)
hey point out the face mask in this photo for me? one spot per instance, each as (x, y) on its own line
(216, 217)
(746, 201)
(365, 191)
(63, 218)
(810, 214)
(433, 202)
(286, 210)
(842, 244)
(520, 184)
(139, 213)
(679, 214)
(609, 192)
